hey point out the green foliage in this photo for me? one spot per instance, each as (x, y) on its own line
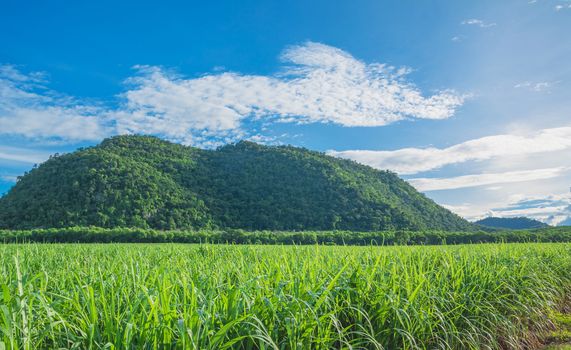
(562, 328)
(238, 236)
(144, 182)
(171, 296)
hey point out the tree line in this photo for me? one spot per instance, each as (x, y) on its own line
(238, 236)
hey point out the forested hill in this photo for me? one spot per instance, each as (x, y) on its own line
(518, 223)
(143, 181)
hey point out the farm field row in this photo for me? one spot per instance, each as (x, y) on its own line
(127, 296)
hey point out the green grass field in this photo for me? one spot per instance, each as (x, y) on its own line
(137, 296)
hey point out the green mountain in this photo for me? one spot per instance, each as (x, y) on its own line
(519, 223)
(143, 181)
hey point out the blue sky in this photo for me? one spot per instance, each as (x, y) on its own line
(469, 101)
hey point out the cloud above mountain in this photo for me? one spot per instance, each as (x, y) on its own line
(475, 180)
(30, 109)
(316, 84)
(533, 164)
(415, 160)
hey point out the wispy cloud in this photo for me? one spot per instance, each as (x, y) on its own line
(560, 7)
(561, 4)
(535, 86)
(415, 160)
(435, 184)
(23, 155)
(478, 22)
(27, 108)
(317, 84)
(553, 209)
(12, 73)
(9, 178)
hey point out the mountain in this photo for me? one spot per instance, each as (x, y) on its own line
(143, 181)
(519, 223)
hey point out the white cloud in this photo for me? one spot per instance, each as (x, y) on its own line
(10, 72)
(553, 209)
(478, 22)
(317, 84)
(435, 184)
(415, 160)
(69, 123)
(27, 108)
(562, 7)
(535, 86)
(464, 210)
(23, 155)
(9, 178)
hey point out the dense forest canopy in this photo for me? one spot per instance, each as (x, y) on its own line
(146, 182)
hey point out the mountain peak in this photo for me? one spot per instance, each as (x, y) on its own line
(143, 181)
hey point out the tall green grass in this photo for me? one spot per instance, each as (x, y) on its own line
(279, 297)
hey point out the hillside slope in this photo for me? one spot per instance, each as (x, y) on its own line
(142, 181)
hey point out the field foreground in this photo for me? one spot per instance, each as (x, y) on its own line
(118, 296)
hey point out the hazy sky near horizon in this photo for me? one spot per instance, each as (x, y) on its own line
(469, 101)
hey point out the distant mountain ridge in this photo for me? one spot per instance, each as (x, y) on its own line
(517, 223)
(143, 181)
